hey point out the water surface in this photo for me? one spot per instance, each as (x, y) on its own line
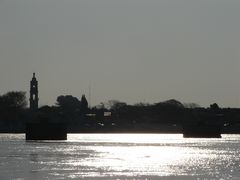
(120, 156)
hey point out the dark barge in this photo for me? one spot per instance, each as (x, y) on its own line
(46, 131)
(202, 131)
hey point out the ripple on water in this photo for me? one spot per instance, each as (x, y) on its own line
(119, 156)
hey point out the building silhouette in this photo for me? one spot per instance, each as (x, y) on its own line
(33, 94)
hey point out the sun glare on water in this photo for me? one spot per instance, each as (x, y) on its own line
(120, 156)
(132, 154)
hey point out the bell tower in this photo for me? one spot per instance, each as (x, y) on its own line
(33, 94)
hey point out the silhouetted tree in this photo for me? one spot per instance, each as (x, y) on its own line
(100, 106)
(191, 105)
(68, 102)
(115, 105)
(45, 109)
(214, 106)
(141, 104)
(170, 104)
(13, 100)
(84, 104)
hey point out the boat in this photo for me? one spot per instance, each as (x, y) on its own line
(202, 130)
(46, 131)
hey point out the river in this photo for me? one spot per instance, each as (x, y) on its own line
(120, 156)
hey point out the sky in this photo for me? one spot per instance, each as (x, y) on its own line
(129, 50)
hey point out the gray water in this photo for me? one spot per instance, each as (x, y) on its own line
(120, 156)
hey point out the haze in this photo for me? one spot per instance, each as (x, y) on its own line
(129, 50)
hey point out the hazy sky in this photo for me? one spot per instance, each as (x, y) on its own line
(130, 50)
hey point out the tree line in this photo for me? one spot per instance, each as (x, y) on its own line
(121, 116)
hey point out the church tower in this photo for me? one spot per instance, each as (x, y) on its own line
(33, 94)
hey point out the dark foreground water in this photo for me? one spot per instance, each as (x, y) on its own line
(120, 156)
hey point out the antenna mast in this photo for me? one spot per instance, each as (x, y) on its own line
(89, 95)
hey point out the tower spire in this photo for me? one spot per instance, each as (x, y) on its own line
(33, 94)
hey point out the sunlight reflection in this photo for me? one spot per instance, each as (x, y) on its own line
(107, 155)
(121, 156)
(128, 153)
(124, 138)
